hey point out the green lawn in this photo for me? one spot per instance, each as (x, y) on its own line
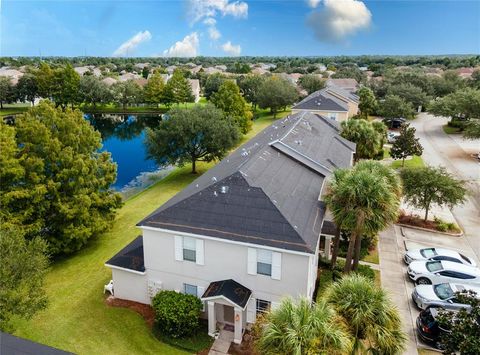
(451, 130)
(415, 162)
(372, 256)
(9, 109)
(77, 318)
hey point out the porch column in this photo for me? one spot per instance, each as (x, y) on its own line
(328, 246)
(211, 318)
(237, 335)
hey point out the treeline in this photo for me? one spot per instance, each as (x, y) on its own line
(447, 61)
(64, 86)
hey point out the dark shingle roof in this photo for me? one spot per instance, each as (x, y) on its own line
(130, 257)
(272, 195)
(229, 289)
(321, 101)
(12, 345)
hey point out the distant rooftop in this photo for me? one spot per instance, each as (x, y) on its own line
(130, 257)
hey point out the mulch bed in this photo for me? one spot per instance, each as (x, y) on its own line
(245, 348)
(416, 221)
(144, 310)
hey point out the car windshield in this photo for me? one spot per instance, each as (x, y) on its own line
(443, 291)
(428, 253)
(434, 266)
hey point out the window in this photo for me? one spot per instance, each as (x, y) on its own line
(190, 289)
(428, 252)
(434, 266)
(443, 291)
(264, 262)
(262, 306)
(189, 249)
(332, 115)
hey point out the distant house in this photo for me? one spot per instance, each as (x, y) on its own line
(212, 70)
(170, 69)
(465, 73)
(247, 232)
(332, 102)
(195, 85)
(141, 81)
(88, 68)
(14, 74)
(12, 345)
(109, 81)
(141, 66)
(345, 84)
(128, 76)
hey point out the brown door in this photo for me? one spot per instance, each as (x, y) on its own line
(228, 314)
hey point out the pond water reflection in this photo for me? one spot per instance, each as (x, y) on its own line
(123, 136)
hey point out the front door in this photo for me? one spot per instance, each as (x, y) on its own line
(228, 314)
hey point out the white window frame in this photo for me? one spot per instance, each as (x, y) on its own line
(256, 255)
(189, 248)
(259, 311)
(195, 244)
(185, 285)
(264, 257)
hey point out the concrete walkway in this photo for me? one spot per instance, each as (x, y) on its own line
(394, 280)
(222, 343)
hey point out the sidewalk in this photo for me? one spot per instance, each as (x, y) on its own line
(394, 280)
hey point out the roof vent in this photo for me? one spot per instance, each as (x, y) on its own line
(215, 193)
(224, 189)
(298, 142)
(214, 179)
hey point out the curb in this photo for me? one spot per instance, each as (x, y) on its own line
(429, 230)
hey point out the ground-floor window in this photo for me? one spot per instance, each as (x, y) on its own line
(190, 289)
(262, 306)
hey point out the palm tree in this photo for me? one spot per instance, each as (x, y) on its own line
(372, 318)
(363, 200)
(298, 328)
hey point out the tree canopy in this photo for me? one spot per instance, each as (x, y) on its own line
(250, 87)
(27, 88)
(178, 89)
(394, 106)
(427, 185)
(311, 83)
(276, 93)
(189, 135)
(367, 102)
(368, 136)
(126, 93)
(22, 271)
(212, 84)
(58, 185)
(369, 314)
(406, 144)
(7, 93)
(232, 103)
(93, 91)
(153, 92)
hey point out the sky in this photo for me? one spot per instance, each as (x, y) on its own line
(238, 27)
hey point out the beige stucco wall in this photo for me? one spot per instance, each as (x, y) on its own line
(130, 286)
(222, 261)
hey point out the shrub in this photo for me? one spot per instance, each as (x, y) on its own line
(176, 314)
(368, 243)
(364, 270)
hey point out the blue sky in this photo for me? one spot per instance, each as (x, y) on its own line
(243, 27)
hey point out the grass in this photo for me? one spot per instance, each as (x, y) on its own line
(422, 351)
(372, 256)
(11, 109)
(77, 318)
(195, 343)
(415, 162)
(451, 130)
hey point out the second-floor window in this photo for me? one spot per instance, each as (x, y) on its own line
(264, 262)
(189, 249)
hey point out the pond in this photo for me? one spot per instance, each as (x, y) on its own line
(123, 136)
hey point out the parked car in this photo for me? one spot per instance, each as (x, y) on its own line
(437, 254)
(428, 328)
(436, 272)
(441, 295)
(394, 122)
(392, 136)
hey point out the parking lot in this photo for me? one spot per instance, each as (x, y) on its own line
(393, 243)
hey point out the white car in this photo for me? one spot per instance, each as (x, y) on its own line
(392, 136)
(437, 272)
(441, 295)
(437, 254)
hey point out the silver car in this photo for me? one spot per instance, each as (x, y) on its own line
(437, 272)
(437, 254)
(441, 295)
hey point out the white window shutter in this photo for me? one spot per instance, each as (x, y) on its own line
(252, 261)
(199, 251)
(276, 266)
(251, 310)
(178, 248)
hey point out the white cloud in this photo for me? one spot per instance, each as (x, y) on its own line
(313, 3)
(187, 47)
(230, 49)
(128, 46)
(214, 33)
(339, 19)
(210, 21)
(199, 9)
